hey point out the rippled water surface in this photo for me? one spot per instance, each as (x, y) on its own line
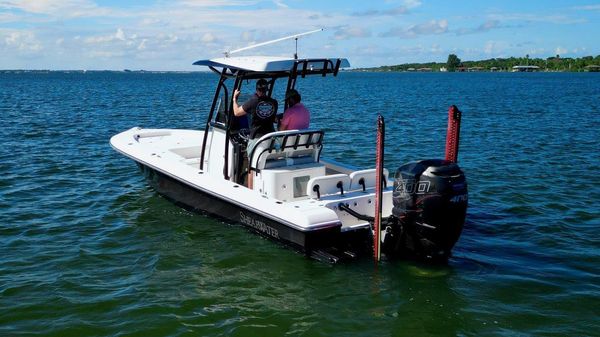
(87, 248)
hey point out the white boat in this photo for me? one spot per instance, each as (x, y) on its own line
(317, 206)
(526, 69)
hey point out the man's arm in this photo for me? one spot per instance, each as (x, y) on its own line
(238, 110)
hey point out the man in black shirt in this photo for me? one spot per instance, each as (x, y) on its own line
(263, 110)
(261, 107)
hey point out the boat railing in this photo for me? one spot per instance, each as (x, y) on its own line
(316, 66)
(290, 147)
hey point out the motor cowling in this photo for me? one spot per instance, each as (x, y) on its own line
(429, 207)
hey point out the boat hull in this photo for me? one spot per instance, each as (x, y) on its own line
(200, 201)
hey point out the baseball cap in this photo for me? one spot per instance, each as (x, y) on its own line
(262, 85)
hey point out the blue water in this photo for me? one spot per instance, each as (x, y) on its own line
(87, 248)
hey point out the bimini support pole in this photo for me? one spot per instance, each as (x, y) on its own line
(210, 115)
(453, 134)
(378, 188)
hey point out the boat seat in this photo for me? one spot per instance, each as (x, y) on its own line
(327, 185)
(365, 179)
(286, 148)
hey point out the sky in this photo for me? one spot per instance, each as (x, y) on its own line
(171, 35)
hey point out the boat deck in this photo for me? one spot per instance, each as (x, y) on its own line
(176, 153)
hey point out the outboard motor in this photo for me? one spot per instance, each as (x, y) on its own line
(430, 204)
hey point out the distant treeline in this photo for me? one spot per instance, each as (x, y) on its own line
(554, 63)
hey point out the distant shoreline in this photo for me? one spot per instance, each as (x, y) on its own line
(44, 71)
(512, 64)
(368, 70)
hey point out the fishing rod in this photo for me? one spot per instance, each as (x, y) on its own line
(295, 37)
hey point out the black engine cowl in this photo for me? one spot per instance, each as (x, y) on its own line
(430, 204)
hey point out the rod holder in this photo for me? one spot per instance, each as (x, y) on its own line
(453, 133)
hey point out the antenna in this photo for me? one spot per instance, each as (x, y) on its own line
(295, 37)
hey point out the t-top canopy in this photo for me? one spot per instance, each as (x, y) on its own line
(266, 63)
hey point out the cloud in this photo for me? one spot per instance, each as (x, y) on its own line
(8, 17)
(432, 27)
(119, 35)
(488, 25)
(580, 50)
(280, 4)
(482, 28)
(171, 32)
(436, 49)
(525, 17)
(45, 7)
(560, 50)
(412, 3)
(208, 38)
(588, 8)
(346, 32)
(57, 8)
(21, 42)
(492, 47)
(216, 3)
(391, 12)
(399, 10)
(377, 54)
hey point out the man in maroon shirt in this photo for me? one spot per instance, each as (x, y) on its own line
(296, 116)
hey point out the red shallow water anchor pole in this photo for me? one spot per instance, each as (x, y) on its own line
(453, 133)
(378, 188)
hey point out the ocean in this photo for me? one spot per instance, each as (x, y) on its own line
(88, 249)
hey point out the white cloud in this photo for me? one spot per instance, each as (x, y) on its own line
(21, 42)
(412, 3)
(343, 33)
(403, 9)
(436, 49)
(8, 17)
(120, 35)
(247, 36)
(560, 50)
(208, 38)
(526, 17)
(431, 27)
(490, 47)
(280, 4)
(57, 8)
(588, 8)
(216, 3)
(427, 28)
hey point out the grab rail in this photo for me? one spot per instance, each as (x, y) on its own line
(281, 141)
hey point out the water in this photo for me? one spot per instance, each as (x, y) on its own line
(86, 248)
